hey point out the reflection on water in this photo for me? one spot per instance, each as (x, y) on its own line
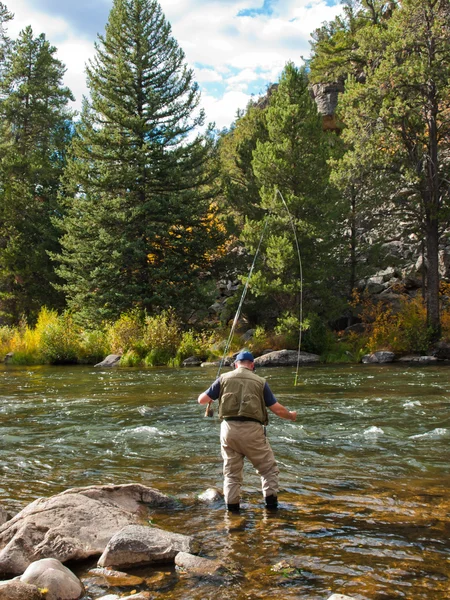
(364, 473)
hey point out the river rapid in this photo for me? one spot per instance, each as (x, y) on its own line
(364, 474)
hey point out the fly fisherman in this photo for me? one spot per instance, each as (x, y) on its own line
(243, 401)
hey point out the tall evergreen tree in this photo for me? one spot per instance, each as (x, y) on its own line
(139, 223)
(5, 42)
(34, 133)
(398, 121)
(293, 160)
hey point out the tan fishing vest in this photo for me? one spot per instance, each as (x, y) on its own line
(242, 395)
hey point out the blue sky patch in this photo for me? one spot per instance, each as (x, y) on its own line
(266, 9)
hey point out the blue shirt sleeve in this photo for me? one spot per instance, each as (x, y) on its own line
(214, 391)
(269, 398)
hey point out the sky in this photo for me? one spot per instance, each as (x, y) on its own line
(237, 48)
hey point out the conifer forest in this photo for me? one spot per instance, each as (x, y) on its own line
(123, 228)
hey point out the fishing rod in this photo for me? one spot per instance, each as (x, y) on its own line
(209, 410)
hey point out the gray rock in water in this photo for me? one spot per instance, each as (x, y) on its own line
(138, 545)
(380, 357)
(197, 565)
(110, 361)
(14, 589)
(73, 525)
(211, 495)
(285, 358)
(340, 597)
(192, 361)
(53, 576)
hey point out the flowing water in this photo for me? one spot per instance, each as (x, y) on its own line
(364, 474)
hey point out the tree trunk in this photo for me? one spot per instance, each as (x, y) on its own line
(432, 291)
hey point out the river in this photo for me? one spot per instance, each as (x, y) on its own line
(365, 477)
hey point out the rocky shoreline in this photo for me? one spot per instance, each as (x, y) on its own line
(290, 358)
(110, 523)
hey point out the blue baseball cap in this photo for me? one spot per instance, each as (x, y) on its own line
(245, 355)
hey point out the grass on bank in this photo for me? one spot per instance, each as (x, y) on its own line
(161, 340)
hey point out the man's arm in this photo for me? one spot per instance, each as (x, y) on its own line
(211, 394)
(204, 398)
(284, 413)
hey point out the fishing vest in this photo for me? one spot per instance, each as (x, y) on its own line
(242, 395)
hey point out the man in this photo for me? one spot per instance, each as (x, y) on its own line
(244, 398)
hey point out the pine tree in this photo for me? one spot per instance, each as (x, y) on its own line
(139, 222)
(34, 133)
(5, 42)
(398, 122)
(293, 160)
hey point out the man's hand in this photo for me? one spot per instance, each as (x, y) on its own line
(293, 414)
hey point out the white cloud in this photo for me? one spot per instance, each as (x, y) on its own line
(222, 111)
(230, 51)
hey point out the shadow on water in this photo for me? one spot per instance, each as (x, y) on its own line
(364, 475)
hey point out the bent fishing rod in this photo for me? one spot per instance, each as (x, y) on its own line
(209, 410)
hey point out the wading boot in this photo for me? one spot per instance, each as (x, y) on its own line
(234, 508)
(271, 502)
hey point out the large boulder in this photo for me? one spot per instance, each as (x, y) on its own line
(138, 545)
(73, 525)
(286, 358)
(379, 357)
(14, 589)
(58, 580)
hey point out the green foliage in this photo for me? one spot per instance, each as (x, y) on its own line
(93, 346)
(398, 122)
(138, 230)
(293, 161)
(126, 333)
(161, 338)
(191, 344)
(131, 358)
(60, 341)
(288, 327)
(34, 133)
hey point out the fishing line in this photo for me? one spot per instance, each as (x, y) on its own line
(277, 191)
(209, 411)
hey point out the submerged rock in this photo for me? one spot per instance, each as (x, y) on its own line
(73, 525)
(197, 565)
(138, 545)
(211, 495)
